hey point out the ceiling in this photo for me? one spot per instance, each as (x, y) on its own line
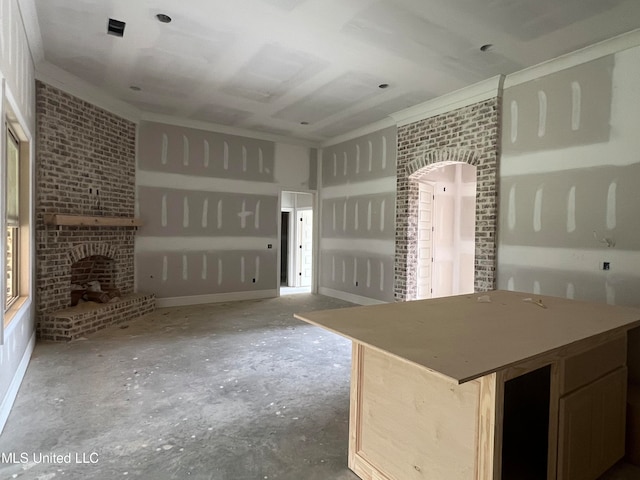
(270, 65)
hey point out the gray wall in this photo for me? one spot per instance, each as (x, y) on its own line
(210, 204)
(357, 221)
(571, 167)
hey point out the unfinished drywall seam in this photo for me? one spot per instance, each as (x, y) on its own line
(358, 205)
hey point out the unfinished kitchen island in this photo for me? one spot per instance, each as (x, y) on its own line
(498, 385)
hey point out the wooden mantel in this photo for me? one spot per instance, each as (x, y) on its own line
(90, 221)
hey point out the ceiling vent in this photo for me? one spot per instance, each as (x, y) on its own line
(116, 27)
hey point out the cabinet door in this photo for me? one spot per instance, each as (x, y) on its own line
(592, 426)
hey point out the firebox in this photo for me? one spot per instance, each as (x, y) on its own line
(92, 276)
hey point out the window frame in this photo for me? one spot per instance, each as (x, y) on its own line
(12, 226)
(11, 119)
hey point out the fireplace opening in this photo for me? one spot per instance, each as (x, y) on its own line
(93, 280)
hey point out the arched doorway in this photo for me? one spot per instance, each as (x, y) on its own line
(407, 201)
(445, 229)
(470, 135)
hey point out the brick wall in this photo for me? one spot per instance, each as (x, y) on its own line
(85, 165)
(469, 135)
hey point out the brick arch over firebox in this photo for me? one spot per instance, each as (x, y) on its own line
(469, 135)
(92, 249)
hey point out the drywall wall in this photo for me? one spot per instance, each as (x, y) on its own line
(569, 180)
(16, 63)
(18, 96)
(357, 201)
(210, 206)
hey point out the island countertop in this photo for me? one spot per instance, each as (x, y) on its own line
(463, 337)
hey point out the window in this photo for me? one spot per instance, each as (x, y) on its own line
(13, 217)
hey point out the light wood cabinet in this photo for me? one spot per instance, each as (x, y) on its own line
(434, 383)
(592, 426)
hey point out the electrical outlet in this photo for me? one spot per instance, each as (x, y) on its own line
(606, 266)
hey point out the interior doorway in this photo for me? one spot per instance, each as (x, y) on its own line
(296, 243)
(446, 231)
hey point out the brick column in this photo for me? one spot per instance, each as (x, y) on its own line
(469, 135)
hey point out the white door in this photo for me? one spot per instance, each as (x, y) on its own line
(304, 235)
(444, 244)
(425, 240)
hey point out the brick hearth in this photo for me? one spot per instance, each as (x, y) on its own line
(75, 322)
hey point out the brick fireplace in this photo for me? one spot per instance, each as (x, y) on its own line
(83, 151)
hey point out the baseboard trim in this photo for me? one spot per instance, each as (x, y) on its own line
(12, 392)
(349, 297)
(214, 298)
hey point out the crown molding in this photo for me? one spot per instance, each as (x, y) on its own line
(215, 127)
(464, 97)
(592, 52)
(59, 78)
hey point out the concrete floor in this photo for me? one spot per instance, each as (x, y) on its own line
(231, 391)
